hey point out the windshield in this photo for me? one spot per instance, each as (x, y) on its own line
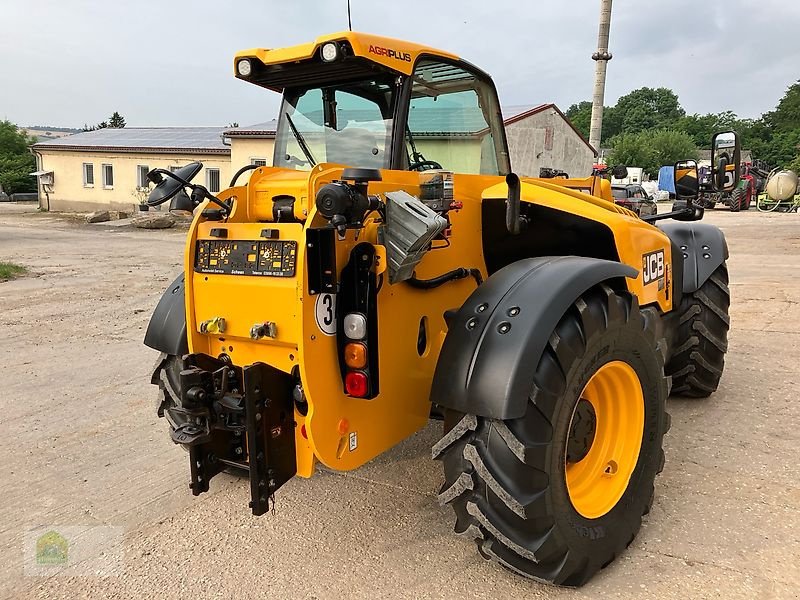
(348, 123)
(619, 192)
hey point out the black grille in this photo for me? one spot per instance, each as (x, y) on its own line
(314, 72)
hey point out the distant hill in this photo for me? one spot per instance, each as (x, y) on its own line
(42, 132)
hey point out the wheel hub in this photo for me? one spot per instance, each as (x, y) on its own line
(581, 435)
(605, 436)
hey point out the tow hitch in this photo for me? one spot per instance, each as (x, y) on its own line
(236, 417)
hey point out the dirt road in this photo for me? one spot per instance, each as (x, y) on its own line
(81, 445)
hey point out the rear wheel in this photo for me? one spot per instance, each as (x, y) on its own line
(558, 493)
(738, 197)
(701, 342)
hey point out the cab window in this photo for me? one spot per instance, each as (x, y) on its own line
(348, 124)
(453, 122)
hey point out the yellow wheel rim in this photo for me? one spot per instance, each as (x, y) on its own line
(605, 436)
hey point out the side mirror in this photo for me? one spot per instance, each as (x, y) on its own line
(687, 184)
(167, 187)
(726, 158)
(181, 204)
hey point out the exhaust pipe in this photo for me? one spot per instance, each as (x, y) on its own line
(512, 204)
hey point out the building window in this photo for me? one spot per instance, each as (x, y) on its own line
(141, 176)
(108, 176)
(88, 175)
(212, 180)
(259, 162)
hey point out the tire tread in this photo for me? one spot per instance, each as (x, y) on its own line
(488, 507)
(701, 341)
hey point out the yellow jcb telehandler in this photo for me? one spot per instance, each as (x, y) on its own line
(390, 267)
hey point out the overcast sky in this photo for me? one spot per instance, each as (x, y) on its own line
(169, 62)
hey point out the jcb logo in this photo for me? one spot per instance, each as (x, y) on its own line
(653, 266)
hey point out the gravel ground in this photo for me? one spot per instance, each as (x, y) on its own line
(81, 446)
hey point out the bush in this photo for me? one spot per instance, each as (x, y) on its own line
(651, 149)
(16, 161)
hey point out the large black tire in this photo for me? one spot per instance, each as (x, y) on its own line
(737, 199)
(166, 375)
(506, 480)
(701, 341)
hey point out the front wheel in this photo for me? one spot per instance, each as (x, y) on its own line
(166, 375)
(559, 493)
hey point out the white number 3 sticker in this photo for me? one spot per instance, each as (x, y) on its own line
(325, 309)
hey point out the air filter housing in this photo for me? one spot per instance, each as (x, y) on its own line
(410, 228)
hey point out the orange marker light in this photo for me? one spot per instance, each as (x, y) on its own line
(355, 355)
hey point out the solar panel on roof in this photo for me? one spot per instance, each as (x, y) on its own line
(131, 137)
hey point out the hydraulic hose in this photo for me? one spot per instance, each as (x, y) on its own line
(240, 171)
(460, 273)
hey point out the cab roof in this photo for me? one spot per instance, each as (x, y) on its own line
(396, 55)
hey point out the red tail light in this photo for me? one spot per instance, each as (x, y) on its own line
(356, 384)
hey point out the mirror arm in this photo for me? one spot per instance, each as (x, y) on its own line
(198, 190)
(169, 173)
(205, 194)
(668, 215)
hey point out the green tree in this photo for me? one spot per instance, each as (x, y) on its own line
(580, 115)
(648, 108)
(651, 149)
(16, 161)
(782, 149)
(612, 124)
(786, 116)
(116, 121)
(702, 128)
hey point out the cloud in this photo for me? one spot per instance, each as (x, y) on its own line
(170, 63)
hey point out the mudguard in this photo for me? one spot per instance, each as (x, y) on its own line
(497, 337)
(167, 329)
(704, 249)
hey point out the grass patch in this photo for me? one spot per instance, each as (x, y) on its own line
(11, 271)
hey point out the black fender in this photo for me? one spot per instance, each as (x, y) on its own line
(704, 249)
(497, 337)
(167, 329)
